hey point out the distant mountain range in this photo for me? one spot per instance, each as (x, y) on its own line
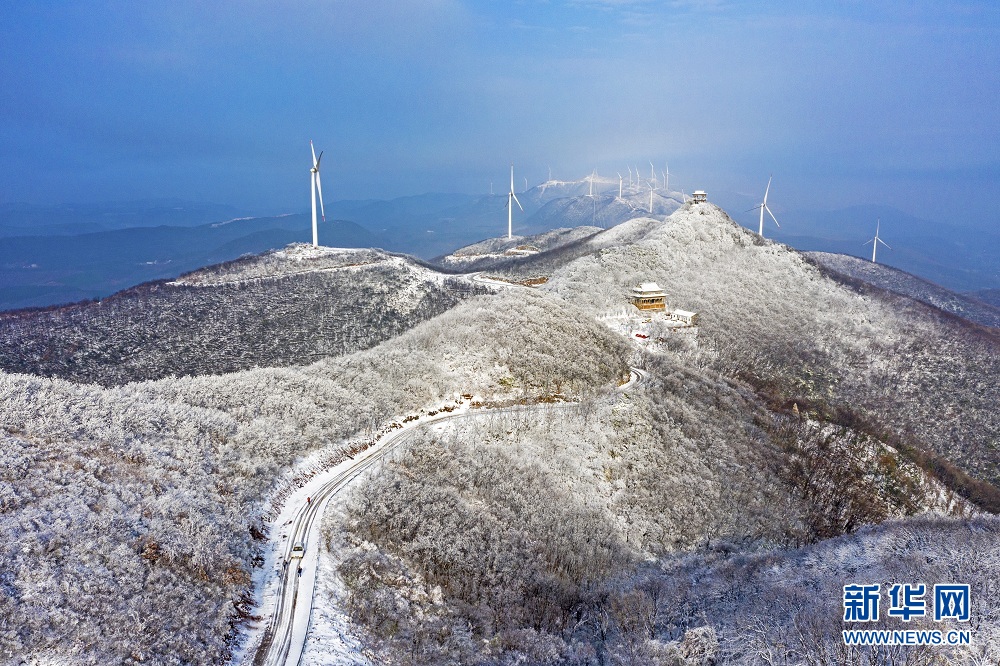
(20, 219)
(961, 258)
(66, 253)
(46, 270)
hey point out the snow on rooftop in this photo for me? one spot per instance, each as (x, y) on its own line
(648, 289)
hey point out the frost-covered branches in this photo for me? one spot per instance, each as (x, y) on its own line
(129, 515)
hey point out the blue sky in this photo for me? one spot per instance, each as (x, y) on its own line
(844, 102)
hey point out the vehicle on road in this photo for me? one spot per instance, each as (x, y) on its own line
(298, 550)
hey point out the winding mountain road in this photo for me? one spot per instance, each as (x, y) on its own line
(285, 634)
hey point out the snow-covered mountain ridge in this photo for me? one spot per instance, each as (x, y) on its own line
(281, 308)
(912, 286)
(806, 409)
(792, 420)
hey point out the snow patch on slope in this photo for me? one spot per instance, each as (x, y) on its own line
(294, 259)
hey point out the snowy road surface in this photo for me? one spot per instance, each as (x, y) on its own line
(285, 635)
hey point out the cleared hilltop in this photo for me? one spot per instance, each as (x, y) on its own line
(286, 307)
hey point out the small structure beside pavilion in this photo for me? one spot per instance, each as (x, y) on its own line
(685, 317)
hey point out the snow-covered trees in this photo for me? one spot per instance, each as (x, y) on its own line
(128, 515)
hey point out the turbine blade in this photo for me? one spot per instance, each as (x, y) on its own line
(884, 243)
(518, 202)
(768, 189)
(319, 190)
(313, 149)
(772, 215)
(318, 160)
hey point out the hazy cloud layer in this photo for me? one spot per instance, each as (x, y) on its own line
(845, 103)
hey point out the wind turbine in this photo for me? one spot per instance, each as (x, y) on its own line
(875, 241)
(316, 187)
(510, 207)
(666, 178)
(650, 198)
(629, 178)
(652, 174)
(619, 184)
(525, 184)
(763, 206)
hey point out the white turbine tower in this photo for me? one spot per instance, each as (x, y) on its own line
(666, 178)
(510, 207)
(629, 178)
(619, 184)
(763, 207)
(316, 187)
(875, 241)
(652, 174)
(650, 198)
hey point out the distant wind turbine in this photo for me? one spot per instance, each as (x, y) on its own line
(316, 187)
(763, 207)
(652, 174)
(650, 198)
(510, 207)
(666, 178)
(875, 241)
(525, 184)
(619, 184)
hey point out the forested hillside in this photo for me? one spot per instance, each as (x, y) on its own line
(686, 520)
(130, 516)
(589, 524)
(539, 537)
(912, 286)
(284, 308)
(771, 317)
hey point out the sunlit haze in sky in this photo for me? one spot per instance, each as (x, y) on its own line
(844, 102)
